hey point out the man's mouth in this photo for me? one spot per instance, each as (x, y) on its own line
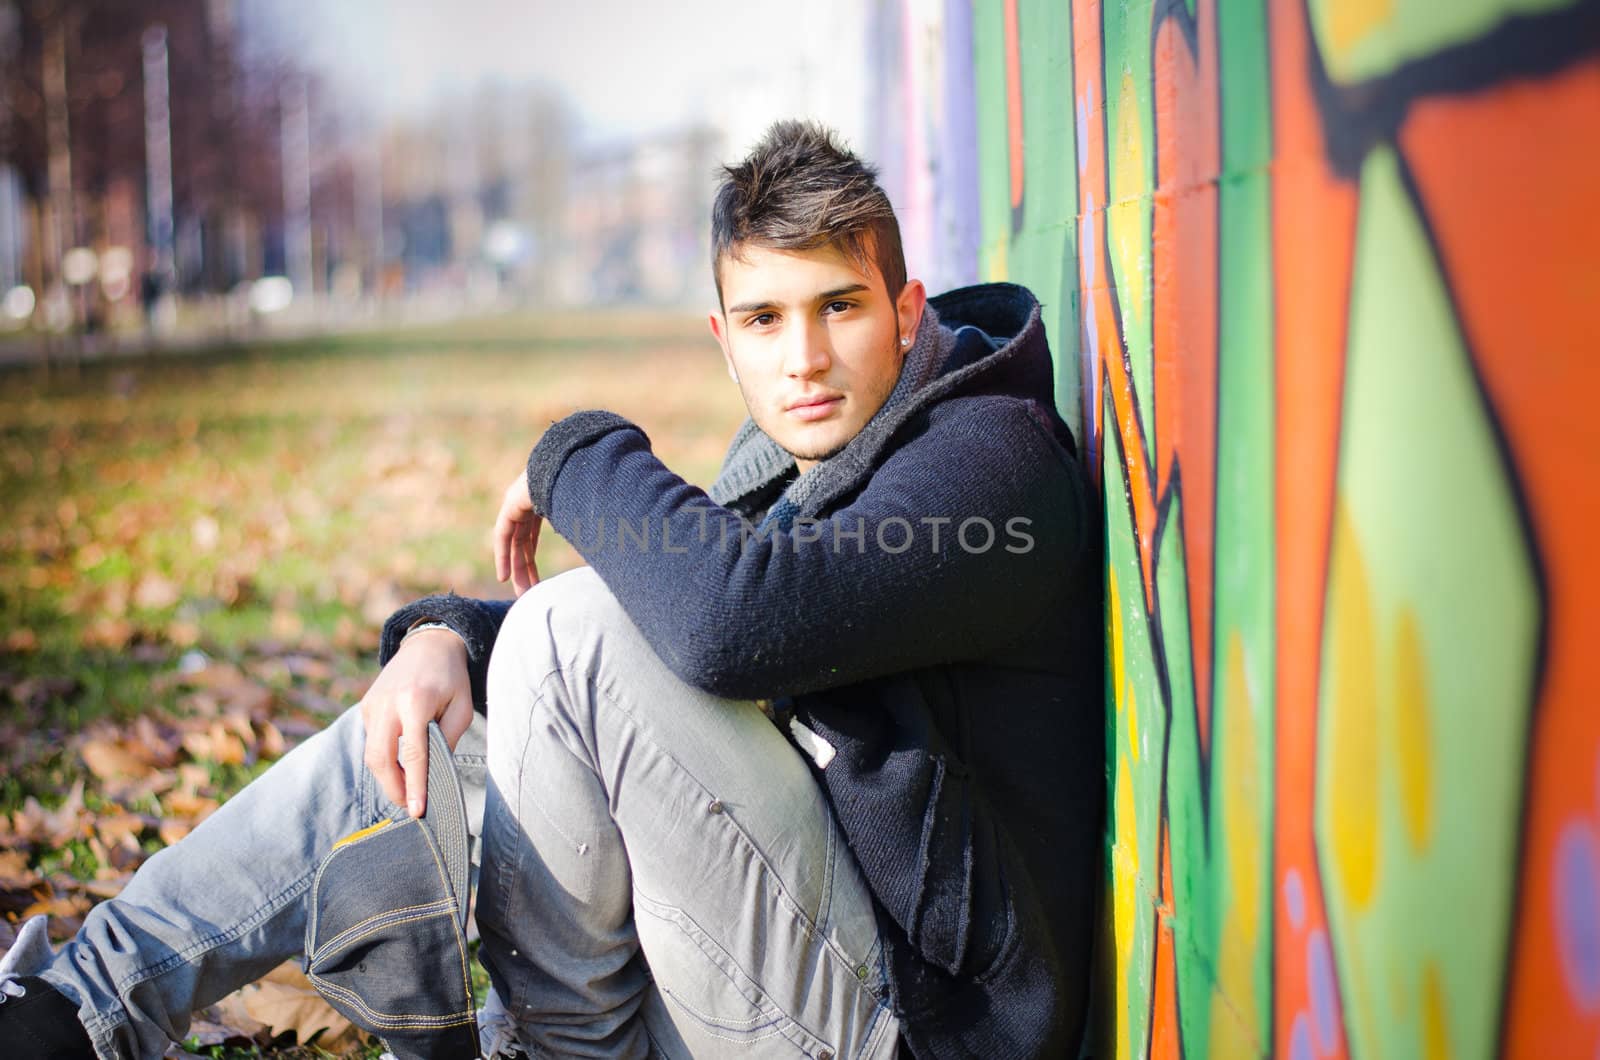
(813, 408)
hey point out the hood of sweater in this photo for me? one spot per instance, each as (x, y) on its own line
(987, 337)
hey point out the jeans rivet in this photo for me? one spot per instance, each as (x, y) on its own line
(861, 973)
(714, 806)
(826, 1054)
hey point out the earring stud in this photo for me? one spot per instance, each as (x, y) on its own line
(904, 341)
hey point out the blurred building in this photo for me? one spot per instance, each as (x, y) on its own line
(637, 220)
(176, 164)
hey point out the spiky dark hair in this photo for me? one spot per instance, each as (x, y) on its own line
(798, 189)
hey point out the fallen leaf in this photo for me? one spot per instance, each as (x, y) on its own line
(171, 831)
(230, 1013)
(285, 1000)
(110, 633)
(15, 874)
(182, 804)
(191, 778)
(110, 760)
(120, 829)
(60, 905)
(271, 743)
(155, 593)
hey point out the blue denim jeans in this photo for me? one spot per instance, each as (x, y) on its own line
(660, 874)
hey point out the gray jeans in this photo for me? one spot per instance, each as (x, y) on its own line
(660, 874)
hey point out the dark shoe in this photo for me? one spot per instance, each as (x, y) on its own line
(39, 1023)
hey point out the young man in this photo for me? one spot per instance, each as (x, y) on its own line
(808, 765)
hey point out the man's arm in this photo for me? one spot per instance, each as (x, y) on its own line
(860, 594)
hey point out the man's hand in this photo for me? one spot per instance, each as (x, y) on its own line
(516, 537)
(425, 681)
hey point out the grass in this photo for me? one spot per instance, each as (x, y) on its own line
(269, 505)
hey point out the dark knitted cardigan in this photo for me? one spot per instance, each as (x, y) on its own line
(927, 604)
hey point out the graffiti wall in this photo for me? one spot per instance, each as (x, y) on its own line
(1323, 282)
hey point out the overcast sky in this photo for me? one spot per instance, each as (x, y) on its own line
(628, 66)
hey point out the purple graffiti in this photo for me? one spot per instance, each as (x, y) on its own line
(1294, 897)
(1578, 910)
(1324, 1006)
(1300, 1038)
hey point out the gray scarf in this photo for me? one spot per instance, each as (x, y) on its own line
(755, 460)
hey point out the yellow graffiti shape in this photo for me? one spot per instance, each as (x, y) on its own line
(1412, 737)
(1234, 1008)
(1125, 900)
(1352, 728)
(1435, 1029)
(1352, 21)
(1129, 241)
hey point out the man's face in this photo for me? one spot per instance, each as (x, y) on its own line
(813, 342)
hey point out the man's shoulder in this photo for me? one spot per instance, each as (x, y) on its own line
(1007, 426)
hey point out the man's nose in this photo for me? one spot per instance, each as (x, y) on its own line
(806, 350)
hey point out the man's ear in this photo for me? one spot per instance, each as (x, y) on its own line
(718, 332)
(908, 309)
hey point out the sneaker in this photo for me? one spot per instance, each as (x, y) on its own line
(39, 1022)
(497, 1035)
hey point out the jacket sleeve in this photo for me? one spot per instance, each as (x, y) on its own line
(476, 622)
(958, 541)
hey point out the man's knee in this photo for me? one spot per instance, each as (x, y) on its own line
(557, 605)
(550, 627)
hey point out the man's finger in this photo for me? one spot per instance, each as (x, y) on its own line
(503, 530)
(383, 731)
(414, 760)
(519, 564)
(457, 717)
(531, 555)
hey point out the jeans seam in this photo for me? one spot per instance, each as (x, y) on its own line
(220, 938)
(830, 861)
(510, 869)
(781, 1011)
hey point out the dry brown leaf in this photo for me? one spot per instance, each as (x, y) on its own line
(185, 804)
(237, 721)
(34, 824)
(111, 760)
(154, 592)
(153, 744)
(172, 830)
(130, 791)
(286, 1000)
(191, 778)
(108, 887)
(215, 744)
(120, 829)
(271, 743)
(59, 905)
(230, 1013)
(15, 874)
(111, 633)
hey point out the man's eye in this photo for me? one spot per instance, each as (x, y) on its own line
(838, 307)
(762, 320)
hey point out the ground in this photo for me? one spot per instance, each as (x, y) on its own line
(197, 553)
